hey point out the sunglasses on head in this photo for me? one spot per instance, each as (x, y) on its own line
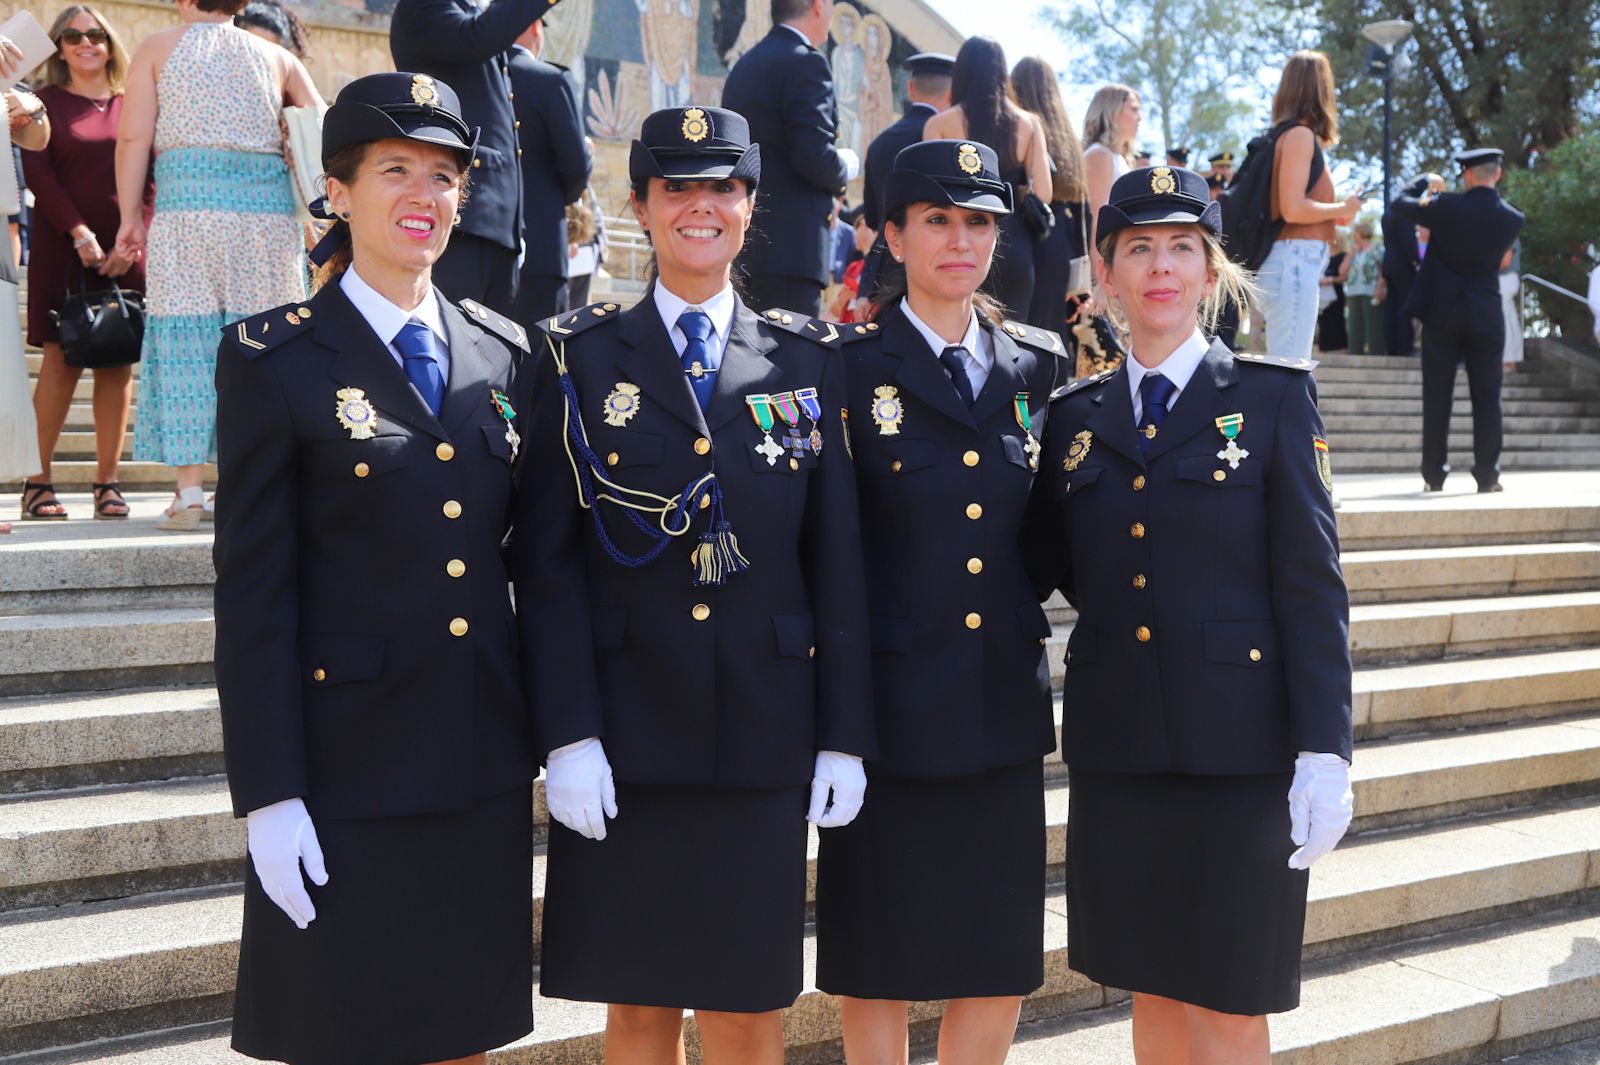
(96, 36)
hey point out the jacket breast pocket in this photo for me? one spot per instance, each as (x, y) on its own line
(1077, 481)
(357, 460)
(495, 437)
(1210, 470)
(896, 456)
(331, 659)
(1251, 644)
(1016, 452)
(621, 449)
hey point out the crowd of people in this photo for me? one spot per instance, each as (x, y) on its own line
(768, 568)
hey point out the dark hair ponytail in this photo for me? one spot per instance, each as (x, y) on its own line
(982, 88)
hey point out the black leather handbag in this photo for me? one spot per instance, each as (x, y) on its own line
(104, 327)
(1037, 217)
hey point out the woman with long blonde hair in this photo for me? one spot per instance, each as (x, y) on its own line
(1034, 83)
(1109, 127)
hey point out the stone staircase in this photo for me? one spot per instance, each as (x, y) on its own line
(1457, 922)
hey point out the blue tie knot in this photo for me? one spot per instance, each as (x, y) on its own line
(695, 325)
(1155, 391)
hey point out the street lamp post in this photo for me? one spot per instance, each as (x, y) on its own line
(1385, 37)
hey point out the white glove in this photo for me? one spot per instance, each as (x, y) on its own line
(578, 787)
(852, 163)
(1320, 806)
(844, 774)
(281, 837)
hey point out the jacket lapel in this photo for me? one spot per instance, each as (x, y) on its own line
(1112, 419)
(1198, 404)
(471, 370)
(1004, 380)
(920, 372)
(745, 368)
(362, 361)
(650, 362)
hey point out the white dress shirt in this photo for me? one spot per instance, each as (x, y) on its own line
(979, 360)
(386, 319)
(718, 308)
(1177, 368)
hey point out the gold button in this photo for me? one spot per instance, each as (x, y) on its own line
(970, 458)
(1043, 641)
(519, 153)
(458, 626)
(452, 509)
(974, 620)
(974, 511)
(1219, 475)
(811, 652)
(1255, 654)
(894, 467)
(1137, 532)
(705, 501)
(319, 675)
(455, 567)
(1138, 483)
(613, 458)
(446, 452)
(700, 612)
(362, 469)
(974, 565)
(517, 124)
(794, 464)
(830, 220)
(1142, 633)
(477, 162)
(1139, 581)
(702, 446)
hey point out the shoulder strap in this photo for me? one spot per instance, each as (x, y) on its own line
(260, 333)
(1032, 336)
(564, 325)
(498, 324)
(828, 334)
(1304, 365)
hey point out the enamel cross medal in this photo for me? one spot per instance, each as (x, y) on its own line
(760, 405)
(1229, 425)
(1025, 422)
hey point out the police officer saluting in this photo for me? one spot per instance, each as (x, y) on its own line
(948, 402)
(693, 622)
(366, 665)
(1185, 508)
(1457, 298)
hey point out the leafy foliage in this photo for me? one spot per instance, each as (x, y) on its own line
(1557, 196)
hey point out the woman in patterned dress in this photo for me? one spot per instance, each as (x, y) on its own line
(224, 243)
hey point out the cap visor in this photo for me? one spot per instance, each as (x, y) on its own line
(698, 171)
(1155, 216)
(978, 201)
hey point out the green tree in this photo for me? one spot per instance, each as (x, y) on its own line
(1558, 199)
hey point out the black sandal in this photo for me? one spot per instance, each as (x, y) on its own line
(32, 504)
(114, 490)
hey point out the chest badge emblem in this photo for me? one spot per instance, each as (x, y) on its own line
(622, 404)
(355, 413)
(887, 410)
(1229, 425)
(1078, 450)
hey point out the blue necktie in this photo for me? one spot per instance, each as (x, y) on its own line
(416, 345)
(954, 359)
(1154, 392)
(696, 357)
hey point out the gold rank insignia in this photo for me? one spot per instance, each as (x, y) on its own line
(968, 159)
(1078, 451)
(887, 410)
(1162, 181)
(355, 413)
(423, 93)
(622, 404)
(695, 127)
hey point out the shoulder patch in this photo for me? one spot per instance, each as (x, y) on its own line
(1273, 360)
(1081, 383)
(261, 333)
(564, 325)
(496, 323)
(1033, 337)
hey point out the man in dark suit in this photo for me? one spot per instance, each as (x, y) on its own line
(1457, 299)
(467, 48)
(927, 93)
(555, 168)
(784, 89)
(1401, 258)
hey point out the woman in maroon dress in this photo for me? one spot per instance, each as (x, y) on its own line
(74, 186)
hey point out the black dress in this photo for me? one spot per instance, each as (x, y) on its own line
(1011, 278)
(1052, 263)
(1331, 333)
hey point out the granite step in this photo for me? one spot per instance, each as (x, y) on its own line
(130, 564)
(80, 417)
(89, 650)
(1414, 518)
(1396, 402)
(1354, 460)
(1344, 421)
(1530, 373)
(79, 474)
(1513, 389)
(1413, 574)
(1461, 440)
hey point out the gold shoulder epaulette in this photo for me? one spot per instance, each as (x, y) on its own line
(1033, 337)
(568, 323)
(265, 331)
(496, 323)
(1274, 360)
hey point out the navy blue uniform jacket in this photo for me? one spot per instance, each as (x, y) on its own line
(466, 48)
(1230, 576)
(555, 160)
(340, 570)
(1468, 234)
(960, 679)
(784, 89)
(738, 685)
(875, 171)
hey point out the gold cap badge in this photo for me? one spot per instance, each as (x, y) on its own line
(968, 159)
(695, 126)
(1162, 181)
(423, 92)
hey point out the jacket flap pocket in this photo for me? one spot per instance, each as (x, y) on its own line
(337, 658)
(359, 459)
(495, 437)
(796, 634)
(1208, 469)
(897, 456)
(627, 449)
(1033, 621)
(1078, 480)
(1241, 643)
(891, 633)
(1016, 450)
(609, 625)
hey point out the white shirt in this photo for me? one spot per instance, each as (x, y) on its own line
(979, 359)
(719, 308)
(1177, 368)
(386, 318)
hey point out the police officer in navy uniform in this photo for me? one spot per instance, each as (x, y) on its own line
(783, 87)
(1185, 509)
(1402, 258)
(692, 619)
(927, 93)
(556, 162)
(1471, 234)
(469, 47)
(948, 402)
(372, 707)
